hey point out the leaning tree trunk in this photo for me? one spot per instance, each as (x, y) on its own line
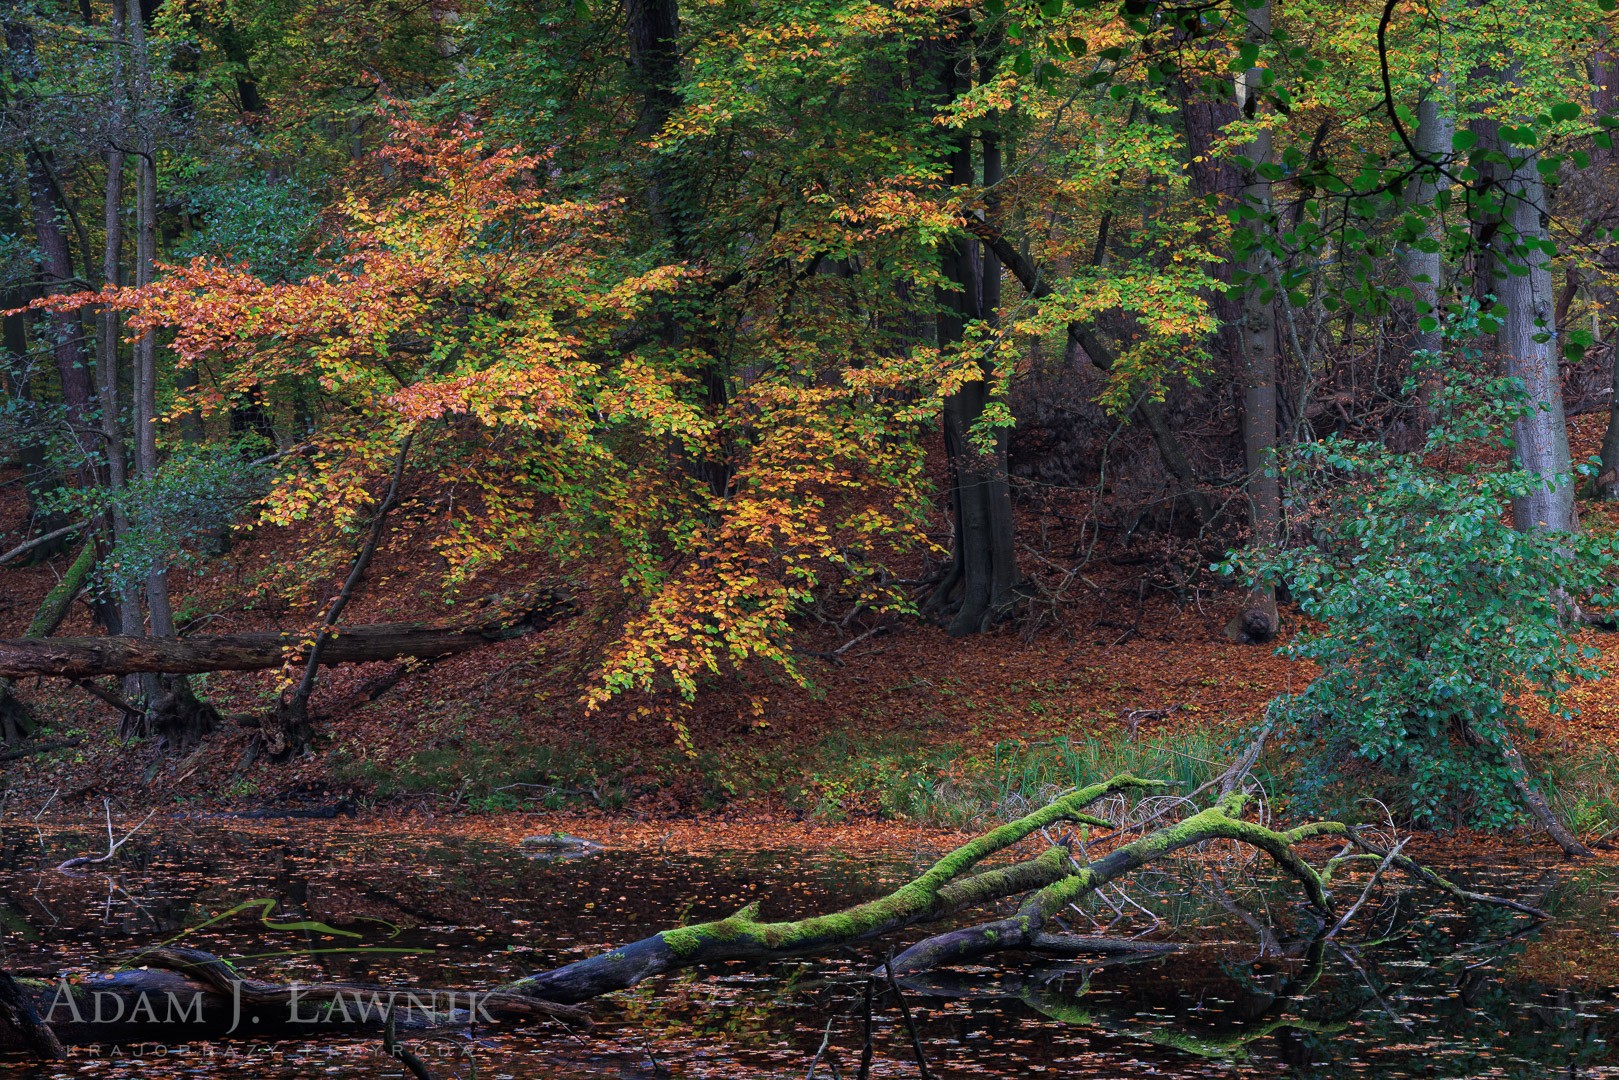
(292, 735)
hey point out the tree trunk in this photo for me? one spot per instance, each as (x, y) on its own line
(984, 549)
(88, 657)
(1541, 435)
(67, 331)
(1257, 363)
(1054, 879)
(1605, 101)
(124, 610)
(1435, 134)
(654, 37)
(295, 731)
(173, 711)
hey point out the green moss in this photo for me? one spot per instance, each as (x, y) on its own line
(906, 904)
(52, 609)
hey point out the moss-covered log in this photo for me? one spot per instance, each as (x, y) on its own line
(939, 892)
(1051, 881)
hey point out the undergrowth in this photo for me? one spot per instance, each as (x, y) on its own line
(895, 777)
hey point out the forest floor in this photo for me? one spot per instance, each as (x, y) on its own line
(908, 725)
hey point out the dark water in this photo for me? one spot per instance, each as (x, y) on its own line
(1418, 988)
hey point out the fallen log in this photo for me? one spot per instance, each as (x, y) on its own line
(88, 657)
(1053, 881)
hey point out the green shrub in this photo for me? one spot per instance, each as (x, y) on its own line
(1430, 612)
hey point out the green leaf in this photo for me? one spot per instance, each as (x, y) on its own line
(1023, 63)
(1462, 140)
(1565, 111)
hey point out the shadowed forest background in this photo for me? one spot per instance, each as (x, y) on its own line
(896, 407)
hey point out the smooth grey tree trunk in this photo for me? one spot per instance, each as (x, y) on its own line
(1436, 131)
(1541, 435)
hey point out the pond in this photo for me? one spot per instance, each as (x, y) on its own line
(1419, 988)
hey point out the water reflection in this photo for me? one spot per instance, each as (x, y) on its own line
(1423, 989)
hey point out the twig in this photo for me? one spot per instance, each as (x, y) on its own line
(832, 655)
(826, 1037)
(1367, 891)
(905, 1011)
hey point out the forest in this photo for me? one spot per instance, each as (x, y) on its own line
(1143, 477)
